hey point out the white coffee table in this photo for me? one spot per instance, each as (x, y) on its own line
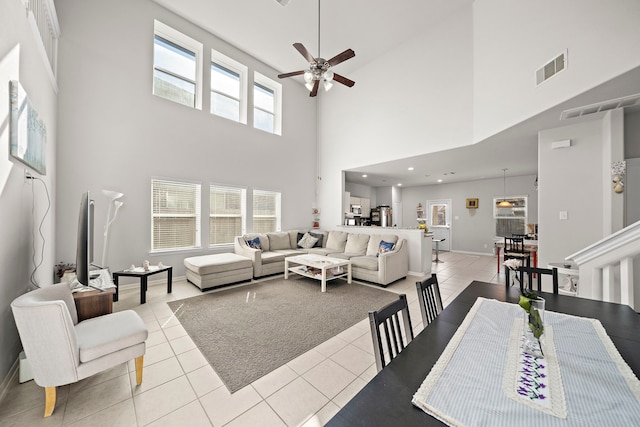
(321, 264)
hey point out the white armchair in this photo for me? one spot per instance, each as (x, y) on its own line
(62, 351)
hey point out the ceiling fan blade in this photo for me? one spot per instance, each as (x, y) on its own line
(304, 52)
(314, 91)
(347, 54)
(294, 73)
(341, 79)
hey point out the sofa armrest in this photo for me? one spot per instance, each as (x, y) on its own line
(394, 265)
(240, 247)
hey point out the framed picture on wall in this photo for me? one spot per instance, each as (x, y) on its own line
(27, 132)
(472, 203)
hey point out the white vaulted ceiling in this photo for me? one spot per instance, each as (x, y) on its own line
(267, 30)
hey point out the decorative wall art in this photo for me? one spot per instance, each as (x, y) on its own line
(472, 203)
(27, 132)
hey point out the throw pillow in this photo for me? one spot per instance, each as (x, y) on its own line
(255, 243)
(307, 241)
(385, 247)
(320, 237)
(300, 235)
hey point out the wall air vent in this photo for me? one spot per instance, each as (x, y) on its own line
(611, 104)
(283, 2)
(551, 68)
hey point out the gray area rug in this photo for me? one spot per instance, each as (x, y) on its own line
(249, 331)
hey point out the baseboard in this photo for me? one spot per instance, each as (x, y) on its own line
(474, 253)
(6, 382)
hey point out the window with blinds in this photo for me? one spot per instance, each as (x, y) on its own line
(175, 215)
(267, 104)
(227, 214)
(266, 211)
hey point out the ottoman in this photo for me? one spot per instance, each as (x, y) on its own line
(210, 271)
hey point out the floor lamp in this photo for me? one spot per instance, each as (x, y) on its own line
(114, 205)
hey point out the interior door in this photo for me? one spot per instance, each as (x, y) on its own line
(439, 214)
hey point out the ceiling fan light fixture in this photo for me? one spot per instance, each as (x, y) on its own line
(327, 85)
(328, 75)
(309, 85)
(308, 76)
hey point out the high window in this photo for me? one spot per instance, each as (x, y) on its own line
(177, 66)
(511, 220)
(266, 211)
(175, 215)
(228, 88)
(267, 104)
(227, 214)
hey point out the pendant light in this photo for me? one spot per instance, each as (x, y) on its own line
(504, 203)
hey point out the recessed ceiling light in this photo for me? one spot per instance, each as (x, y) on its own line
(364, 175)
(439, 180)
(410, 168)
(399, 184)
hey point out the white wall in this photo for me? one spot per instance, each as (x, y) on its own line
(512, 39)
(472, 230)
(577, 181)
(20, 60)
(415, 99)
(114, 134)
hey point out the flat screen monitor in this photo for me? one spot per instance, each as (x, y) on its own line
(84, 251)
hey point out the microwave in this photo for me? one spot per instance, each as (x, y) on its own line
(356, 209)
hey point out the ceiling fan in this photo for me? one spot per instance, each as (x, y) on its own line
(320, 68)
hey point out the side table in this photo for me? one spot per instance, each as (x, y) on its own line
(94, 303)
(143, 275)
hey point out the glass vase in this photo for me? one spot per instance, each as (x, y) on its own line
(533, 328)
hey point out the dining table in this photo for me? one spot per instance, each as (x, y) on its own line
(387, 399)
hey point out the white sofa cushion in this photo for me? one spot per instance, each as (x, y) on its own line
(356, 244)
(366, 262)
(279, 241)
(374, 242)
(336, 241)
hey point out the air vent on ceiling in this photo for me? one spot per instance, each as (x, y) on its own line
(283, 2)
(612, 104)
(551, 68)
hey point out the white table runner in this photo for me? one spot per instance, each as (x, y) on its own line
(469, 384)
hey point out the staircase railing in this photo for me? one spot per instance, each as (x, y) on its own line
(606, 267)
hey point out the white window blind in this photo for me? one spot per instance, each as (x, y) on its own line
(227, 214)
(175, 216)
(266, 211)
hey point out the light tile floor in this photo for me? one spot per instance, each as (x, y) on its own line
(180, 388)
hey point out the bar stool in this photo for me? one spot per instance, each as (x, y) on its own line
(437, 249)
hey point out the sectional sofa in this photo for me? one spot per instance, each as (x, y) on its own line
(369, 261)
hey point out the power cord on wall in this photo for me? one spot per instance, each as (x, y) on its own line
(32, 277)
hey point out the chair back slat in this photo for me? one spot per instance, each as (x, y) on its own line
(530, 271)
(429, 298)
(388, 319)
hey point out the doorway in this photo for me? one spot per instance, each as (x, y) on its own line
(439, 216)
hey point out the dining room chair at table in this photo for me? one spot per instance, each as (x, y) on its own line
(386, 332)
(514, 249)
(429, 298)
(532, 272)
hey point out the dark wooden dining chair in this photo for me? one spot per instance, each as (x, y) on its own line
(429, 299)
(514, 249)
(532, 272)
(388, 319)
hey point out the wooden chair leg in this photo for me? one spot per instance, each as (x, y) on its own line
(139, 363)
(50, 400)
